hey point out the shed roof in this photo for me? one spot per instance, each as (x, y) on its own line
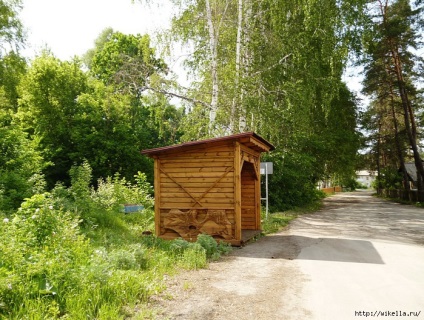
(411, 170)
(250, 139)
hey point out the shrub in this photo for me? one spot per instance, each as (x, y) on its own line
(194, 257)
(292, 184)
(112, 193)
(41, 259)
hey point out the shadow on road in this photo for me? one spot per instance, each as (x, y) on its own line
(294, 247)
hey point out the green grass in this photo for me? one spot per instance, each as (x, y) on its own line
(72, 254)
(279, 220)
(74, 258)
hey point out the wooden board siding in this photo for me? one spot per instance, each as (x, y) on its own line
(201, 179)
(210, 186)
(196, 183)
(248, 198)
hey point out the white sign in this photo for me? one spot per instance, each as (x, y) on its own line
(267, 167)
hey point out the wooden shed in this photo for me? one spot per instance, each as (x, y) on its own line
(209, 186)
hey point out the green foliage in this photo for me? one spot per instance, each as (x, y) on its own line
(195, 255)
(54, 265)
(392, 74)
(40, 261)
(103, 38)
(48, 110)
(389, 179)
(11, 30)
(12, 67)
(117, 56)
(276, 221)
(74, 117)
(213, 249)
(293, 182)
(353, 184)
(278, 73)
(19, 163)
(113, 193)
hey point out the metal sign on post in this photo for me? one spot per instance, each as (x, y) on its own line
(266, 169)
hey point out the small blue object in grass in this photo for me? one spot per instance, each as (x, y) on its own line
(132, 208)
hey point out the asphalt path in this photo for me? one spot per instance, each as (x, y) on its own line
(357, 257)
(361, 257)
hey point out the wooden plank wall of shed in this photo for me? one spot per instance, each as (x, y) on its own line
(248, 197)
(185, 176)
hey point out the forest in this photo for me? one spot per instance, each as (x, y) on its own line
(71, 131)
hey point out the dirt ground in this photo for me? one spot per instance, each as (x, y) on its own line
(357, 253)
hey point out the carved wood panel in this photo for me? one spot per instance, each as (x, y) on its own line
(191, 223)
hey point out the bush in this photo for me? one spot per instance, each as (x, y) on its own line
(194, 257)
(389, 179)
(292, 184)
(41, 259)
(72, 254)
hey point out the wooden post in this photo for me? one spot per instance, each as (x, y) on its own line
(237, 189)
(157, 196)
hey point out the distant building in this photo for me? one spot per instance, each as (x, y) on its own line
(366, 177)
(411, 171)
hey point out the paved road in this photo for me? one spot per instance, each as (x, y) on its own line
(357, 257)
(360, 254)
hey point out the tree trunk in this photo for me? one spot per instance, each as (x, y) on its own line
(234, 115)
(397, 139)
(399, 148)
(247, 63)
(213, 44)
(409, 117)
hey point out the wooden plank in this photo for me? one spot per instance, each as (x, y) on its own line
(196, 179)
(197, 195)
(228, 209)
(157, 184)
(216, 151)
(237, 191)
(201, 147)
(249, 197)
(195, 170)
(196, 175)
(197, 185)
(182, 206)
(251, 142)
(250, 151)
(200, 188)
(196, 163)
(169, 199)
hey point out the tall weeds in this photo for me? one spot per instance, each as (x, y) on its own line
(72, 253)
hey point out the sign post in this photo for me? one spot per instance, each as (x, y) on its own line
(266, 169)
